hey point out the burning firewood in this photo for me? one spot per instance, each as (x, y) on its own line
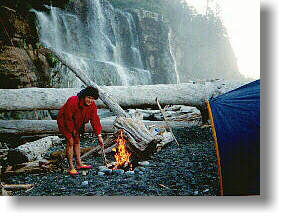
(122, 156)
(140, 141)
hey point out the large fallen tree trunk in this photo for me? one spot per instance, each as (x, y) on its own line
(38, 127)
(193, 94)
(32, 151)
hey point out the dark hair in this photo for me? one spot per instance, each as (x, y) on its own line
(89, 91)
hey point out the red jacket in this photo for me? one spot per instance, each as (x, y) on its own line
(74, 114)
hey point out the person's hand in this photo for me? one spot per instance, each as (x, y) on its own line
(100, 140)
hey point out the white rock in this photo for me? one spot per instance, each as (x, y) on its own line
(103, 168)
(118, 172)
(206, 190)
(101, 173)
(130, 173)
(84, 183)
(144, 163)
(141, 169)
(108, 172)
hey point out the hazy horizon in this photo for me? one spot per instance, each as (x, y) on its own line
(242, 21)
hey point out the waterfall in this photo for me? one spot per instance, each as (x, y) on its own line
(89, 34)
(171, 46)
(137, 60)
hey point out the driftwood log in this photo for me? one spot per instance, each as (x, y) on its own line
(173, 112)
(17, 186)
(31, 151)
(6, 189)
(192, 94)
(165, 119)
(37, 166)
(37, 127)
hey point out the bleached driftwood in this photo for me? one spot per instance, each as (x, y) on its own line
(167, 123)
(37, 127)
(17, 186)
(143, 96)
(37, 166)
(174, 112)
(32, 151)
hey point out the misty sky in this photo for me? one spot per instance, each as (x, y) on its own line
(242, 20)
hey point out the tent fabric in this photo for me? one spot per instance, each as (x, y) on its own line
(236, 117)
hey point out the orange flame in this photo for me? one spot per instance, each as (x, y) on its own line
(122, 156)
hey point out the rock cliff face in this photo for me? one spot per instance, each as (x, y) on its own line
(21, 64)
(155, 43)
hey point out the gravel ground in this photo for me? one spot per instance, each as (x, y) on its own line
(189, 169)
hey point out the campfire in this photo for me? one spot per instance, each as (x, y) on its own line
(122, 156)
(131, 145)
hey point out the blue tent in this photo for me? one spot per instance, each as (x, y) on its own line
(235, 118)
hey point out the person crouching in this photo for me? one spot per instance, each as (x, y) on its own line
(71, 120)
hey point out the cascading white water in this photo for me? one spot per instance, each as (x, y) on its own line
(88, 34)
(137, 60)
(171, 46)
